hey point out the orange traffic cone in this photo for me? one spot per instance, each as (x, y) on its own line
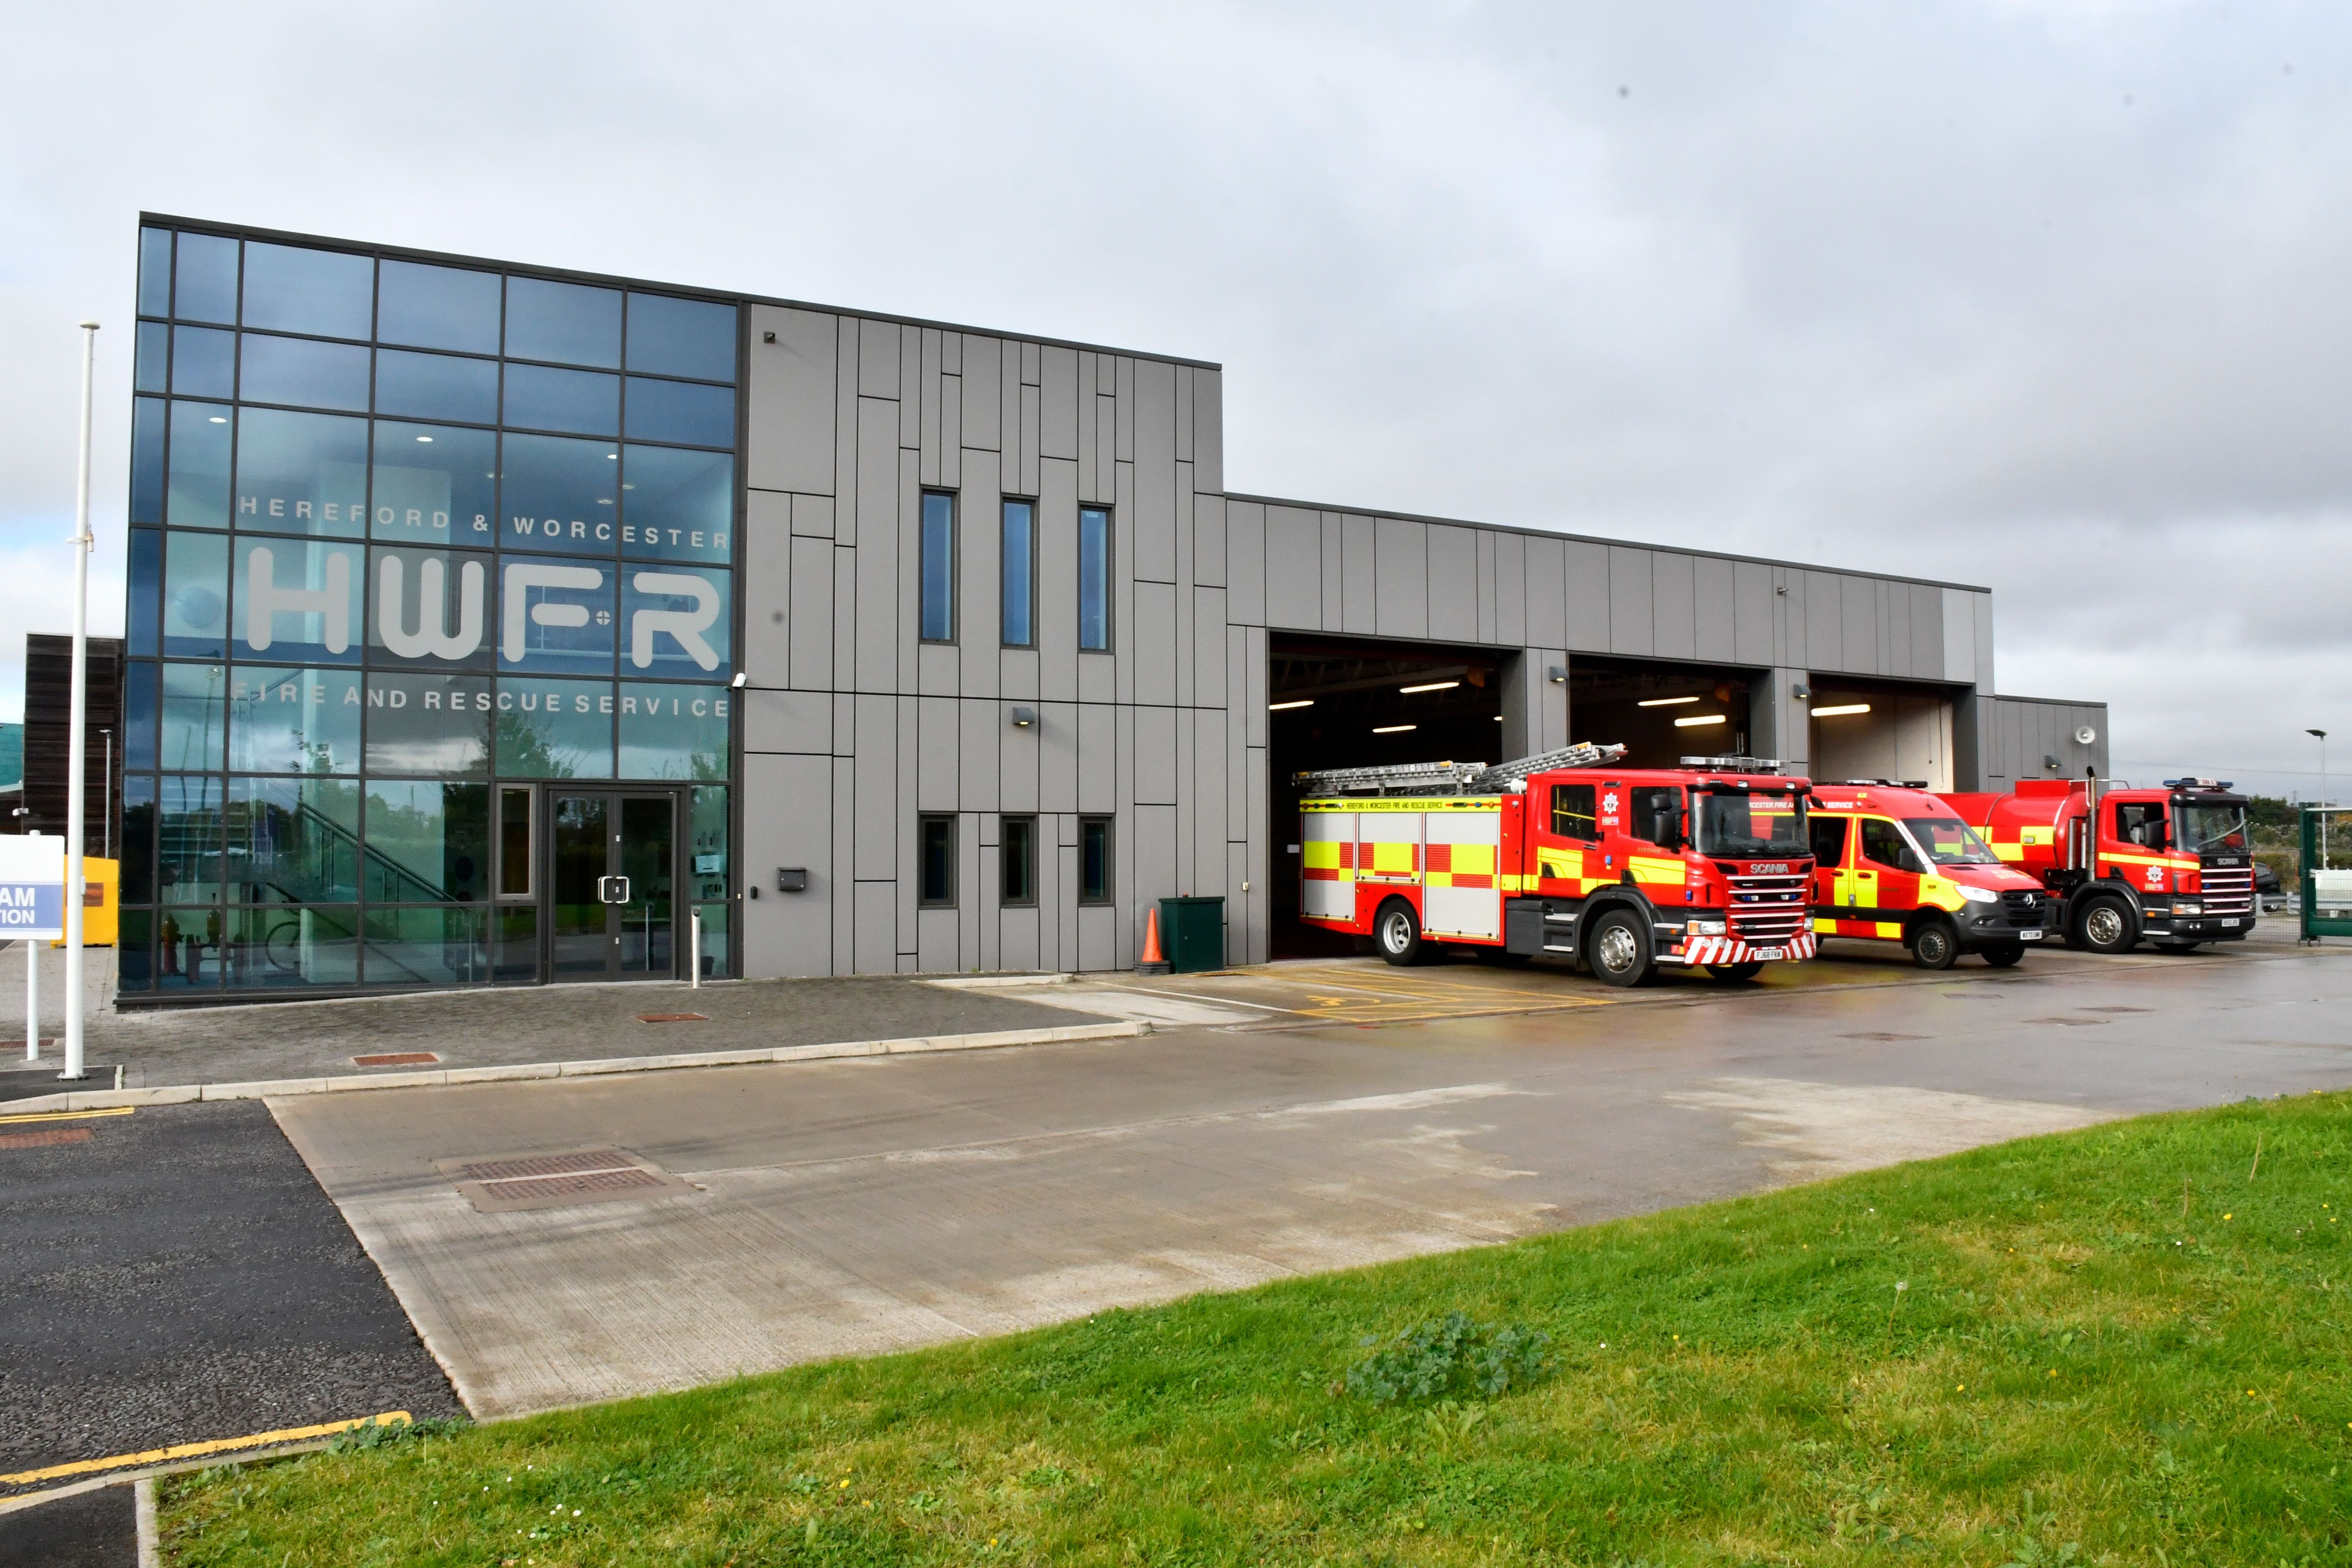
(1151, 962)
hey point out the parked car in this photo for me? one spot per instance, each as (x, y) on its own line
(2268, 889)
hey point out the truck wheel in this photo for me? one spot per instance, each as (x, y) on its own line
(1397, 934)
(2004, 955)
(2106, 926)
(1935, 945)
(1736, 971)
(1620, 949)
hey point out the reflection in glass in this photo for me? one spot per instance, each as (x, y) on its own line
(681, 337)
(436, 386)
(139, 839)
(301, 473)
(673, 731)
(554, 728)
(437, 307)
(571, 324)
(134, 951)
(147, 459)
(150, 367)
(709, 866)
(199, 478)
(677, 621)
(299, 370)
(648, 918)
(294, 841)
(437, 725)
(555, 615)
(559, 494)
(143, 568)
(430, 605)
(282, 947)
(300, 597)
(206, 274)
(189, 952)
(435, 484)
(195, 595)
(141, 682)
(1094, 578)
(682, 411)
(1020, 561)
(196, 716)
(514, 819)
(715, 954)
(204, 363)
(155, 271)
(293, 720)
(427, 842)
(677, 505)
(584, 402)
(188, 839)
(291, 288)
(445, 946)
(518, 943)
(937, 567)
(579, 858)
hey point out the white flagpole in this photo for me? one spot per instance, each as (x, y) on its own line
(77, 730)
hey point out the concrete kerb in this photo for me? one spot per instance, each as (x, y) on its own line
(921, 1044)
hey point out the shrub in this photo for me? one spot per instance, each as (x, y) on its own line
(1452, 1357)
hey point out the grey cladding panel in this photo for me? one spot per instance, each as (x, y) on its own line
(1358, 575)
(1587, 624)
(1752, 597)
(1631, 612)
(788, 721)
(811, 617)
(1712, 582)
(1209, 540)
(876, 806)
(1401, 578)
(1209, 430)
(789, 409)
(983, 361)
(1294, 568)
(937, 755)
(1673, 599)
(1858, 607)
(1824, 621)
(1451, 580)
(1155, 473)
(1057, 429)
(1511, 588)
(878, 358)
(1155, 642)
(788, 934)
(1926, 629)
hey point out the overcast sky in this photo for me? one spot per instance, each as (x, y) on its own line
(2055, 298)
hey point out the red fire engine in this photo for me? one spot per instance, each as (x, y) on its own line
(1618, 868)
(2174, 865)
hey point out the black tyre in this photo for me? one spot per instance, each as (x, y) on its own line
(1736, 971)
(1618, 948)
(1397, 934)
(2004, 955)
(1935, 944)
(2107, 924)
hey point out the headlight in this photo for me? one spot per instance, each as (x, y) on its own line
(1707, 928)
(2190, 909)
(1979, 895)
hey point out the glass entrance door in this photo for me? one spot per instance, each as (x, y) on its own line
(612, 856)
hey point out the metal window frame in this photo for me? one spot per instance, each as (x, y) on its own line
(923, 820)
(1003, 516)
(1110, 894)
(1110, 577)
(1004, 862)
(955, 564)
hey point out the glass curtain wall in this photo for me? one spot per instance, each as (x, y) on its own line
(405, 535)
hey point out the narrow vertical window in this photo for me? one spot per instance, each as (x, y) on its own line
(1094, 578)
(514, 842)
(938, 566)
(1020, 557)
(1094, 859)
(935, 862)
(1020, 859)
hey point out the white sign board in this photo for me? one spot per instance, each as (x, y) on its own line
(32, 887)
(2331, 889)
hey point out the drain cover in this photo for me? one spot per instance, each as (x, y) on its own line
(398, 1059)
(501, 1183)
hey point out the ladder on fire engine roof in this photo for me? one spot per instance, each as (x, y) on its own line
(1452, 778)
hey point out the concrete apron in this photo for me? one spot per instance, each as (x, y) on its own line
(182, 1093)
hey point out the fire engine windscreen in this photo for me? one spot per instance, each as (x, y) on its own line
(1751, 823)
(2204, 828)
(1948, 841)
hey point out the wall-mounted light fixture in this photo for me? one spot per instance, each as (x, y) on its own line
(767, 337)
(1559, 675)
(1024, 717)
(1801, 692)
(742, 678)
(792, 878)
(2053, 763)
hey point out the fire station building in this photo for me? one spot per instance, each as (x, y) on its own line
(491, 625)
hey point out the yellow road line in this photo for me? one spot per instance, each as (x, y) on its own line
(197, 1450)
(70, 1115)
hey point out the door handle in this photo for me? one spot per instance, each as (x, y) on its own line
(613, 890)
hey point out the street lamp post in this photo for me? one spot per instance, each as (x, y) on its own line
(78, 724)
(2323, 795)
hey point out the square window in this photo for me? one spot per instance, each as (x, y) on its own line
(935, 862)
(1018, 857)
(293, 288)
(584, 402)
(304, 373)
(568, 323)
(681, 337)
(437, 307)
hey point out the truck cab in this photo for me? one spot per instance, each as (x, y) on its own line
(1894, 864)
(2173, 865)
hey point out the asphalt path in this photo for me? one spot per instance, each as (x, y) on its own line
(98, 1529)
(175, 1275)
(754, 1217)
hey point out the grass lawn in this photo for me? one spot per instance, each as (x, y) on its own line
(2126, 1345)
